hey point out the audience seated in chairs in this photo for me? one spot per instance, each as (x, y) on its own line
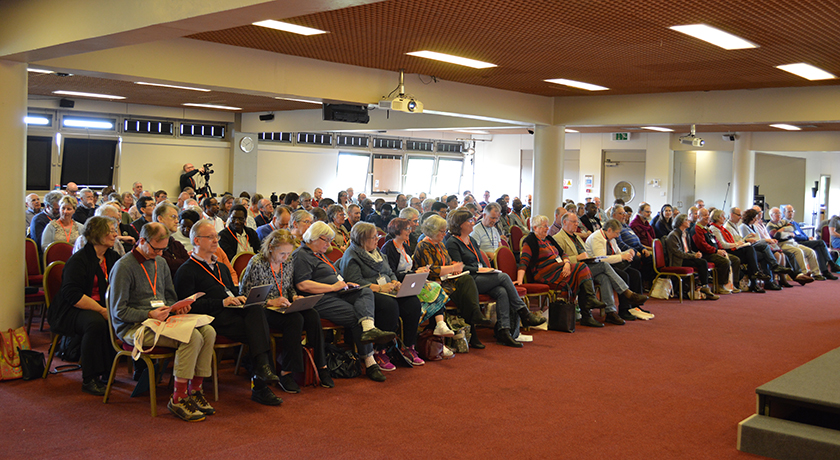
(336, 215)
(280, 221)
(135, 297)
(627, 239)
(540, 260)
(509, 306)
(63, 229)
(274, 266)
(662, 223)
(79, 307)
(742, 249)
(706, 243)
(485, 232)
(783, 231)
(753, 226)
(827, 264)
(203, 273)
(238, 237)
(767, 261)
(679, 254)
(351, 309)
(362, 263)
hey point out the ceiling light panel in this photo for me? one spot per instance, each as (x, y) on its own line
(451, 59)
(807, 71)
(658, 128)
(286, 27)
(211, 106)
(577, 84)
(93, 95)
(786, 127)
(715, 36)
(143, 83)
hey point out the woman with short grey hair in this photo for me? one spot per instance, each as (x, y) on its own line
(299, 224)
(362, 263)
(336, 215)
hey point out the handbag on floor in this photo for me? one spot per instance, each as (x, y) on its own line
(10, 342)
(430, 346)
(32, 364)
(561, 316)
(662, 289)
(309, 376)
(343, 364)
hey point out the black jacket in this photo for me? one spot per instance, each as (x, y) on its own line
(389, 250)
(228, 242)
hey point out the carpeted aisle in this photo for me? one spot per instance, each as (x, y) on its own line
(671, 388)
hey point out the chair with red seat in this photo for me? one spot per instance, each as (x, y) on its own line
(240, 261)
(52, 284)
(124, 349)
(57, 250)
(334, 255)
(506, 262)
(663, 271)
(33, 301)
(516, 239)
(33, 264)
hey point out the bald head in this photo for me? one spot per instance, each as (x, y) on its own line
(558, 215)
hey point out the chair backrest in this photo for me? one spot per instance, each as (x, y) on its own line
(381, 241)
(506, 262)
(515, 237)
(334, 255)
(826, 236)
(33, 264)
(240, 262)
(115, 342)
(52, 280)
(57, 250)
(504, 243)
(658, 254)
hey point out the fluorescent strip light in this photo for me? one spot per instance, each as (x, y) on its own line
(212, 106)
(171, 86)
(39, 71)
(715, 36)
(806, 71)
(286, 27)
(452, 59)
(577, 84)
(786, 127)
(298, 100)
(79, 123)
(34, 120)
(95, 95)
(471, 131)
(657, 128)
(571, 130)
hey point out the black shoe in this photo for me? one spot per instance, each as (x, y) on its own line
(771, 286)
(529, 319)
(834, 267)
(475, 343)
(92, 386)
(374, 373)
(613, 318)
(829, 275)
(626, 316)
(503, 337)
(483, 322)
(265, 374)
(326, 378)
(755, 288)
(778, 269)
(265, 397)
(783, 283)
(761, 276)
(377, 336)
(288, 384)
(590, 321)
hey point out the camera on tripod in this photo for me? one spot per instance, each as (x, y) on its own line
(207, 170)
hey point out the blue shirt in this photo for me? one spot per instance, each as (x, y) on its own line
(798, 234)
(628, 239)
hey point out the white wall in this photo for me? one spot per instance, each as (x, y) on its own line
(497, 164)
(283, 168)
(714, 172)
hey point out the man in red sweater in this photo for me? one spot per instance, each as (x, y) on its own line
(642, 228)
(706, 243)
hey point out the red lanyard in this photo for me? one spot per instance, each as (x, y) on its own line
(105, 270)
(238, 241)
(154, 286)
(470, 247)
(219, 279)
(402, 251)
(327, 261)
(66, 232)
(279, 287)
(440, 253)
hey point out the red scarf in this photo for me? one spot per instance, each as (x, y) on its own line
(726, 235)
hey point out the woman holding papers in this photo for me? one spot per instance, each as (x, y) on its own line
(362, 263)
(432, 253)
(273, 266)
(79, 307)
(509, 306)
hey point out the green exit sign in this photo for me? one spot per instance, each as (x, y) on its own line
(621, 136)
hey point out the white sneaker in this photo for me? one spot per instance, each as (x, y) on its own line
(524, 338)
(639, 314)
(447, 353)
(442, 330)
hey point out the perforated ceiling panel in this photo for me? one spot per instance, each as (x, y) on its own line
(623, 45)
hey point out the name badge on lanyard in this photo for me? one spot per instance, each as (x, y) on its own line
(381, 280)
(157, 304)
(229, 294)
(559, 260)
(339, 277)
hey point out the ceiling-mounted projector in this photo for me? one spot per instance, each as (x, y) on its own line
(692, 140)
(401, 103)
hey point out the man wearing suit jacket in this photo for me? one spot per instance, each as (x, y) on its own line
(680, 254)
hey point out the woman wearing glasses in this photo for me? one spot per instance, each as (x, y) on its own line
(362, 263)
(79, 307)
(337, 215)
(345, 304)
(509, 306)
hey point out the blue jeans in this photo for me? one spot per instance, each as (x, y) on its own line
(500, 287)
(608, 282)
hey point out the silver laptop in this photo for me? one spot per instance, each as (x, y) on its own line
(302, 303)
(412, 284)
(256, 296)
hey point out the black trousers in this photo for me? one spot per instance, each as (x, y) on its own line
(465, 297)
(701, 269)
(747, 256)
(291, 325)
(633, 278)
(97, 353)
(246, 325)
(389, 310)
(822, 252)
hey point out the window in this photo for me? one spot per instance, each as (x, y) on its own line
(88, 162)
(314, 138)
(275, 137)
(448, 177)
(38, 155)
(202, 130)
(387, 171)
(352, 171)
(353, 141)
(450, 147)
(421, 146)
(148, 127)
(387, 143)
(418, 175)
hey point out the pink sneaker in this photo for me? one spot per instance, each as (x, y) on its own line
(383, 361)
(411, 354)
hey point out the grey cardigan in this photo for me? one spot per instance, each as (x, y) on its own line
(357, 266)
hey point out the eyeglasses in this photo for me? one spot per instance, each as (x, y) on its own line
(325, 239)
(211, 237)
(157, 250)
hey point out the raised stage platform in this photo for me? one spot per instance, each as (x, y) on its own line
(797, 414)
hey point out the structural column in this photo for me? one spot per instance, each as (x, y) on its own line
(549, 151)
(13, 132)
(743, 171)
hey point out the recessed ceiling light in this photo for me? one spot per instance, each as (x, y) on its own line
(452, 59)
(286, 27)
(786, 127)
(571, 130)
(87, 123)
(470, 131)
(36, 120)
(657, 128)
(95, 95)
(577, 84)
(298, 100)
(171, 86)
(39, 71)
(212, 106)
(715, 36)
(806, 71)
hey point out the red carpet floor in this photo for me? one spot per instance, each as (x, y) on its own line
(671, 388)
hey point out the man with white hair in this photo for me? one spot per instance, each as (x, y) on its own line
(33, 207)
(49, 212)
(86, 206)
(599, 213)
(782, 231)
(817, 244)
